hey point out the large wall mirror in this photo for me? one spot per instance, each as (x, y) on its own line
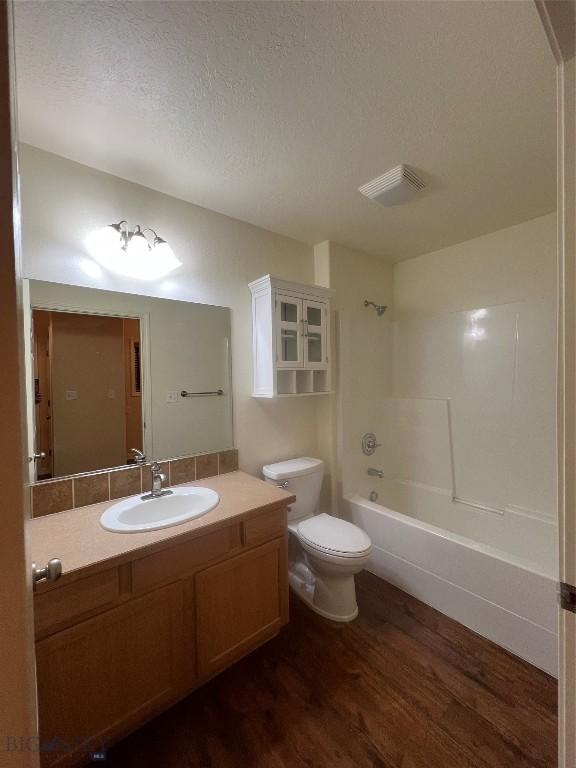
(112, 374)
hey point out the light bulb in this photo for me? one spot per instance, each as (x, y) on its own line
(137, 246)
(165, 256)
(105, 244)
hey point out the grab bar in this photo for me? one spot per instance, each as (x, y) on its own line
(212, 393)
(478, 505)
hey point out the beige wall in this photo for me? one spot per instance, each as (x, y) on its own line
(362, 341)
(511, 264)
(63, 201)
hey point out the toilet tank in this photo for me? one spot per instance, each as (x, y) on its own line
(303, 478)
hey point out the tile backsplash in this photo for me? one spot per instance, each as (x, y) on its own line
(51, 496)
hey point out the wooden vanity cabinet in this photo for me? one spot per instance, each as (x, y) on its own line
(107, 674)
(239, 605)
(155, 628)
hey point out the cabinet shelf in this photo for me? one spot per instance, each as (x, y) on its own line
(291, 338)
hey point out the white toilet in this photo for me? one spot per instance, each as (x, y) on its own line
(324, 552)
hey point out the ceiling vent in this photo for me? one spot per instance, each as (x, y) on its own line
(398, 185)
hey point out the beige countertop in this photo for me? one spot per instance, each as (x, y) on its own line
(79, 541)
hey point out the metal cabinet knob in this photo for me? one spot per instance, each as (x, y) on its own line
(51, 571)
(37, 456)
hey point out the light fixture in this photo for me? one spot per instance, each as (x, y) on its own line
(131, 253)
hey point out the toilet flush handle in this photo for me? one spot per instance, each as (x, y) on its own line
(282, 485)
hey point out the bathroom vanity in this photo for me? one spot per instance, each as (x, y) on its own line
(138, 621)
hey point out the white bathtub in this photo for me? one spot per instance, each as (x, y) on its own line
(500, 595)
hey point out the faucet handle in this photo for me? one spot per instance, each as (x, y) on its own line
(139, 456)
(370, 444)
(155, 466)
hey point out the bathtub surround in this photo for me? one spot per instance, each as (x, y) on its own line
(473, 409)
(469, 437)
(458, 381)
(513, 264)
(472, 413)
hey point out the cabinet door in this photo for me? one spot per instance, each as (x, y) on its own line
(103, 676)
(315, 321)
(239, 604)
(289, 350)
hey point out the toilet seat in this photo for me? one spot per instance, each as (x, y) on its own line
(329, 535)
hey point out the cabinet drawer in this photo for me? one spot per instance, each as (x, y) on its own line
(265, 526)
(180, 559)
(58, 607)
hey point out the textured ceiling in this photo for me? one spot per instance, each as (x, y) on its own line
(275, 112)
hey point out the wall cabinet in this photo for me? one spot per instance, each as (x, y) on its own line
(156, 628)
(291, 338)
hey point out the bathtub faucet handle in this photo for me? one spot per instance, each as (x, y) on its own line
(369, 444)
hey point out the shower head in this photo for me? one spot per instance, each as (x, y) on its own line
(380, 308)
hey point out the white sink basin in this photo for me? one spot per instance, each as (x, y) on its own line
(135, 515)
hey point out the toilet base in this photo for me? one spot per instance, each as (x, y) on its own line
(304, 588)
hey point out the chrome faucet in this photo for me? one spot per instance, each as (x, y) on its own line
(158, 477)
(375, 472)
(139, 457)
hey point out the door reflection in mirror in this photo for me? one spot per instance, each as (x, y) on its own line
(87, 391)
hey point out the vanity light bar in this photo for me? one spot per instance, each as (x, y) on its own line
(139, 253)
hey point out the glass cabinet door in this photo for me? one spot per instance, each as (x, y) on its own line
(289, 324)
(315, 336)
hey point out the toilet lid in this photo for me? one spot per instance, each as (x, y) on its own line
(330, 534)
(286, 470)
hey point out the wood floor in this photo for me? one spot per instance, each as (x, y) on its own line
(402, 686)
